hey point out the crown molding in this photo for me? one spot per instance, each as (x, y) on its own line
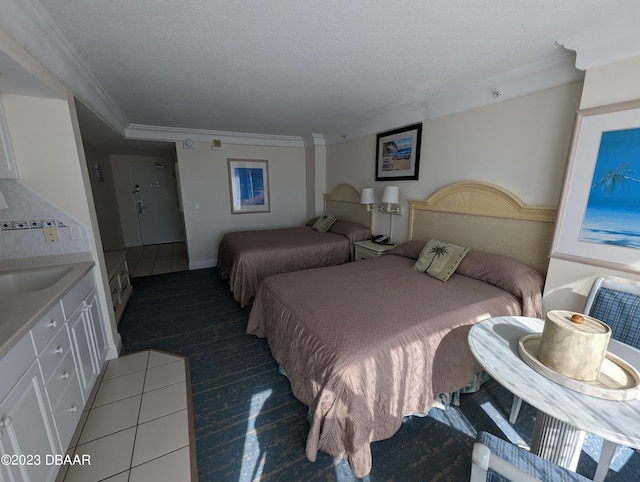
(396, 117)
(547, 74)
(606, 45)
(28, 23)
(532, 78)
(314, 139)
(176, 134)
(25, 75)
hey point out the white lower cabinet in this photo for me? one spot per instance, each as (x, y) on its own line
(27, 434)
(93, 311)
(66, 414)
(64, 353)
(83, 343)
(82, 311)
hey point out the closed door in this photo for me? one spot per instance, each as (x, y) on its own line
(156, 201)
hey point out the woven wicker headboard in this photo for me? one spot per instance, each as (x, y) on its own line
(344, 202)
(487, 217)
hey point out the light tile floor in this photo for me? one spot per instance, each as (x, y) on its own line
(157, 259)
(137, 426)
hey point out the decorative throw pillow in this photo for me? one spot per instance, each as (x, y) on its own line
(440, 259)
(324, 222)
(408, 249)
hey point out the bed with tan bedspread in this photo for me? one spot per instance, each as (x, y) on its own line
(365, 343)
(247, 257)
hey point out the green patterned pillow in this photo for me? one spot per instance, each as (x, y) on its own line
(324, 222)
(440, 259)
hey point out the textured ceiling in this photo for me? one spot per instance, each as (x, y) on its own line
(295, 67)
(17, 80)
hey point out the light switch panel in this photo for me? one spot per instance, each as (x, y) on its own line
(51, 234)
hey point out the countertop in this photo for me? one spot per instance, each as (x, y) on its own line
(19, 312)
(113, 260)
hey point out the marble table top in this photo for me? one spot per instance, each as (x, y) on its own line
(494, 342)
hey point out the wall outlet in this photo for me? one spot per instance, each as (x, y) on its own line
(51, 234)
(75, 232)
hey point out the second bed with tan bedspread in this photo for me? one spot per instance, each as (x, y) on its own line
(247, 257)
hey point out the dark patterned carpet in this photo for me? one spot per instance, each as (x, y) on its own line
(249, 426)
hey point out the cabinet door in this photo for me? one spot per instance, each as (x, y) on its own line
(67, 414)
(26, 430)
(93, 312)
(83, 347)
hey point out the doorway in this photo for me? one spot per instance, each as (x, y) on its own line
(156, 203)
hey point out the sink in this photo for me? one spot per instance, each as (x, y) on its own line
(30, 280)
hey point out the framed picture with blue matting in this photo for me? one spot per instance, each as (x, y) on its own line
(599, 216)
(249, 186)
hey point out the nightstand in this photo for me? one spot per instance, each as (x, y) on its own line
(368, 249)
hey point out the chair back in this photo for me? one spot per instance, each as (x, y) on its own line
(496, 460)
(617, 304)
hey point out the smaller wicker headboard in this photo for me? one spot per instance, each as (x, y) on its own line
(487, 217)
(344, 202)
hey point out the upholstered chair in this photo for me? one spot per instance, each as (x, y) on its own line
(494, 459)
(615, 302)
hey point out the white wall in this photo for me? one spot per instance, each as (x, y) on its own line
(124, 197)
(610, 84)
(204, 182)
(310, 183)
(45, 137)
(46, 152)
(26, 205)
(568, 282)
(519, 144)
(316, 182)
(105, 201)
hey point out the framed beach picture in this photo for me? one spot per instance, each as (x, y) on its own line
(249, 186)
(599, 215)
(398, 154)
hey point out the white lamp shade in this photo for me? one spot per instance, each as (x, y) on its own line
(390, 195)
(366, 196)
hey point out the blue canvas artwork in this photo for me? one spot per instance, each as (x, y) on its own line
(251, 182)
(613, 210)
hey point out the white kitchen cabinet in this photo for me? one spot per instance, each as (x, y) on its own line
(27, 432)
(46, 378)
(67, 412)
(86, 331)
(83, 346)
(93, 311)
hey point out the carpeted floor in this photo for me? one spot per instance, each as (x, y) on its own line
(248, 424)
